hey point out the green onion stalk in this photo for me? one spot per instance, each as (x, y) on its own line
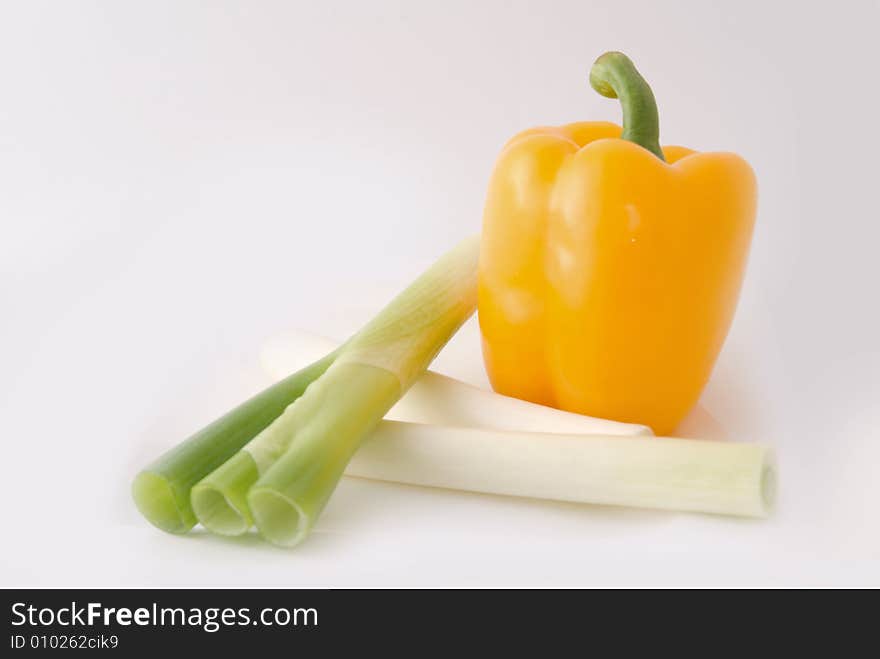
(282, 479)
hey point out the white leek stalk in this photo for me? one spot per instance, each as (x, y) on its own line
(646, 472)
(284, 476)
(445, 401)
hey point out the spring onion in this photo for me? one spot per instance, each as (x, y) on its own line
(161, 491)
(284, 476)
(445, 401)
(646, 472)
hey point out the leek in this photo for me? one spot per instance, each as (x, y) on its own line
(646, 472)
(161, 491)
(445, 401)
(284, 476)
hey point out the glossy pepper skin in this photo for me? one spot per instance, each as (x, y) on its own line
(609, 277)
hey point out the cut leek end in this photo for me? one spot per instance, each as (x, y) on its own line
(155, 498)
(219, 500)
(768, 490)
(216, 511)
(279, 519)
(757, 499)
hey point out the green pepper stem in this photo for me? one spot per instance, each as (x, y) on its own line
(615, 76)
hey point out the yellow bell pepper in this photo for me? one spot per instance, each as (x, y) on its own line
(610, 268)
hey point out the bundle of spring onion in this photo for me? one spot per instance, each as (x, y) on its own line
(276, 459)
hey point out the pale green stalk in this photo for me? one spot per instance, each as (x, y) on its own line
(283, 478)
(726, 478)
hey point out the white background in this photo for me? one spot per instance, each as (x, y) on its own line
(180, 181)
